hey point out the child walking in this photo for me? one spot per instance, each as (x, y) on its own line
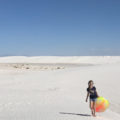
(92, 94)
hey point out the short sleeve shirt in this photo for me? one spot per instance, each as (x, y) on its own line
(92, 91)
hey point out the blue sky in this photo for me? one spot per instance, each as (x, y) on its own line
(59, 27)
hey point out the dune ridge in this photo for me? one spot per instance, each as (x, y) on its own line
(61, 59)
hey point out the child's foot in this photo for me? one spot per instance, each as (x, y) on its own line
(94, 115)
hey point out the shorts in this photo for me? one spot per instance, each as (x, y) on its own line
(93, 99)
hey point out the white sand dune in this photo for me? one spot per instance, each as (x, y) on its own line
(61, 59)
(58, 94)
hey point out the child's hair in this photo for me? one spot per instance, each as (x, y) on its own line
(89, 83)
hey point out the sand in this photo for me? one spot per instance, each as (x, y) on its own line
(54, 88)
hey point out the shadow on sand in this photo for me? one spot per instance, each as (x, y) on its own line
(85, 115)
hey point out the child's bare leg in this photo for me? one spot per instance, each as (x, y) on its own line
(91, 107)
(94, 111)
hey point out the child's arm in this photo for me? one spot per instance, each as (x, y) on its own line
(97, 94)
(87, 96)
